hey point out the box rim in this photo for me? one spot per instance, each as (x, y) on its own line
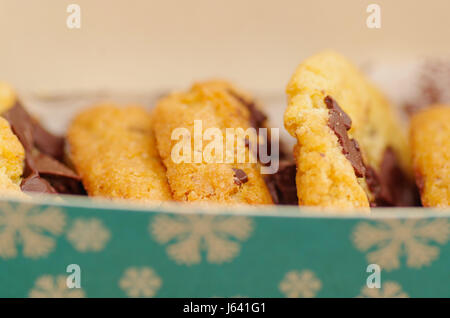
(103, 205)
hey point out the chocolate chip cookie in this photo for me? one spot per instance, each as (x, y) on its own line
(114, 151)
(351, 152)
(218, 106)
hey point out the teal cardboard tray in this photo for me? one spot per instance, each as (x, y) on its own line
(124, 250)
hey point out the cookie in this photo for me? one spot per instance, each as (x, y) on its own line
(349, 144)
(113, 150)
(12, 156)
(217, 105)
(430, 144)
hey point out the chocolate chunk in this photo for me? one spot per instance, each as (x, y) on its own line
(47, 143)
(34, 183)
(31, 134)
(257, 120)
(338, 116)
(46, 165)
(282, 184)
(272, 187)
(285, 181)
(257, 117)
(240, 177)
(391, 187)
(65, 185)
(340, 123)
(373, 181)
(43, 172)
(21, 125)
(282, 192)
(61, 178)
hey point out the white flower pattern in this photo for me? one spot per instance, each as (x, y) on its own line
(140, 282)
(388, 289)
(300, 284)
(391, 239)
(190, 235)
(30, 227)
(88, 235)
(48, 286)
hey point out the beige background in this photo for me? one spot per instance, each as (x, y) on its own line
(142, 45)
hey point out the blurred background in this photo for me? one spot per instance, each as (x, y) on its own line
(148, 45)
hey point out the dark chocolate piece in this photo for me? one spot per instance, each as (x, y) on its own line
(257, 117)
(46, 165)
(257, 120)
(31, 134)
(47, 143)
(340, 123)
(373, 181)
(20, 125)
(391, 187)
(34, 183)
(43, 172)
(272, 187)
(281, 193)
(282, 185)
(240, 177)
(66, 185)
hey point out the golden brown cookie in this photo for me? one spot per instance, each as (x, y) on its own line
(218, 106)
(113, 149)
(12, 157)
(349, 144)
(430, 144)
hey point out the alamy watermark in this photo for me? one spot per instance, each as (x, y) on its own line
(73, 21)
(374, 279)
(373, 21)
(237, 145)
(74, 279)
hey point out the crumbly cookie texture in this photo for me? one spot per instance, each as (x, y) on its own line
(217, 104)
(12, 157)
(337, 115)
(114, 151)
(430, 144)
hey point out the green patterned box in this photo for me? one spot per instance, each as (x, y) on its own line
(179, 251)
